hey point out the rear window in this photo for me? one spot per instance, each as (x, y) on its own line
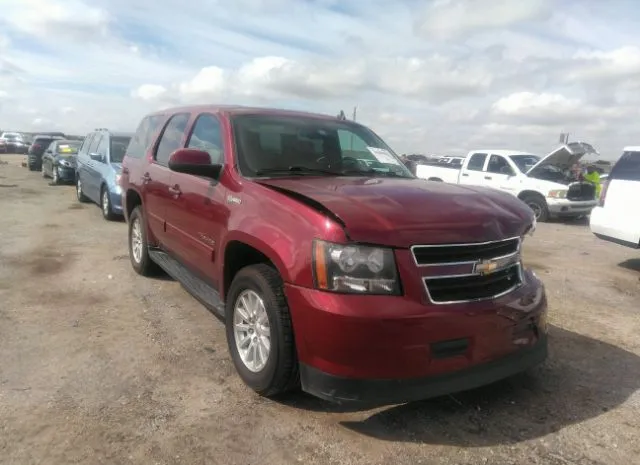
(118, 148)
(627, 168)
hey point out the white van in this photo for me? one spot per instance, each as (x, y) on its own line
(613, 220)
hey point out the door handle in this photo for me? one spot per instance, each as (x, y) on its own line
(465, 175)
(488, 177)
(175, 190)
(146, 178)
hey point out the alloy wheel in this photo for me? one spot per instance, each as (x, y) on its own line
(251, 330)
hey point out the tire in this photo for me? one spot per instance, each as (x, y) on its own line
(32, 168)
(280, 373)
(435, 179)
(55, 176)
(79, 194)
(44, 173)
(538, 204)
(140, 260)
(105, 205)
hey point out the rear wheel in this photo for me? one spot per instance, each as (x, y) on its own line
(260, 332)
(79, 193)
(138, 245)
(105, 205)
(538, 204)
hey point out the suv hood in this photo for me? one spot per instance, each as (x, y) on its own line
(406, 212)
(564, 157)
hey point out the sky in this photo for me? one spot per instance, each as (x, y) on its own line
(432, 76)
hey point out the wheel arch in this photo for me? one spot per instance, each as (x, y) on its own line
(243, 250)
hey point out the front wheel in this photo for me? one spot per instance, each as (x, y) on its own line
(538, 204)
(260, 332)
(55, 176)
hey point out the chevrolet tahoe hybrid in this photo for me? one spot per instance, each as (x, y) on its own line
(334, 268)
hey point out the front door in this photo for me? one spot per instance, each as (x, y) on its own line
(498, 174)
(197, 212)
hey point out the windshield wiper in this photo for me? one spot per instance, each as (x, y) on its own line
(297, 169)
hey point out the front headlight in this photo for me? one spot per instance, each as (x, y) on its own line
(64, 163)
(354, 269)
(558, 194)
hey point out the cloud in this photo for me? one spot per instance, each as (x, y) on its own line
(433, 76)
(446, 19)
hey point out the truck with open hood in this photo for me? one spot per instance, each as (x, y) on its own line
(547, 184)
(333, 267)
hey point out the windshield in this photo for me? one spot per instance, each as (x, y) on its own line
(525, 162)
(11, 136)
(68, 148)
(119, 146)
(269, 145)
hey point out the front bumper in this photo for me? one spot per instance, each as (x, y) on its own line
(116, 201)
(67, 173)
(568, 208)
(378, 350)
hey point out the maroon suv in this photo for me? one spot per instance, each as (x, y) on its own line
(333, 267)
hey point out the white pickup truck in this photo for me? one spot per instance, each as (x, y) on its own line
(545, 184)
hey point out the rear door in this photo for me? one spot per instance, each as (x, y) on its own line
(157, 177)
(197, 213)
(138, 156)
(83, 158)
(90, 184)
(473, 172)
(621, 200)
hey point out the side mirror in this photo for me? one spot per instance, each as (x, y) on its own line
(97, 157)
(194, 161)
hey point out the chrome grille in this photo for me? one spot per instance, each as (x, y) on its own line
(455, 273)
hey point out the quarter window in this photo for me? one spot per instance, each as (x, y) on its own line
(144, 134)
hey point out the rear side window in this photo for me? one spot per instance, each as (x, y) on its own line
(86, 143)
(93, 148)
(171, 138)
(142, 139)
(627, 168)
(476, 162)
(207, 136)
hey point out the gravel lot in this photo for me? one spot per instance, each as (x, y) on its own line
(101, 366)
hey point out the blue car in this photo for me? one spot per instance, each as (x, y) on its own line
(99, 165)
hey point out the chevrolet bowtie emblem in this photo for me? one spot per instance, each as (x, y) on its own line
(485, 267)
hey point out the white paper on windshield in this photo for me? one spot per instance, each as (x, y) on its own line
(383, 156)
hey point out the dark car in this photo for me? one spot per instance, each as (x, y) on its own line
(40, 143)
(59, 161)
(358, 284)
(99, 168)
(13, 142)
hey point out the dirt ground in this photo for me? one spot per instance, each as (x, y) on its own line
(101, 366)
